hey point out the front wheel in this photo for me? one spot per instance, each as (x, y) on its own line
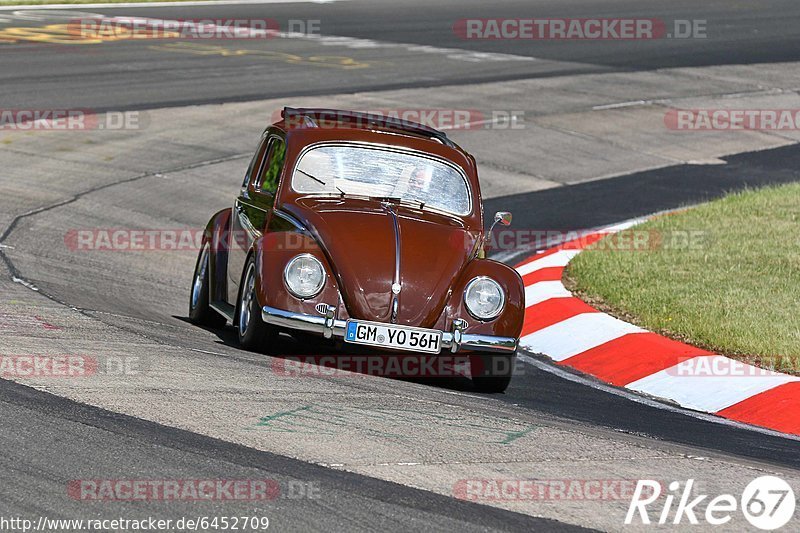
(491, 373)
(254, 334)
(199, 311)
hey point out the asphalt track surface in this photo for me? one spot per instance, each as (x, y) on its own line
(123, 444)
(137, 75)
(47, 428)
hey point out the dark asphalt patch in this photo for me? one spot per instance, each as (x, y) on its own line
(604, 202)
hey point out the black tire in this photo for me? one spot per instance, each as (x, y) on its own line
(491, 373)
(254, 334)
(199, 311)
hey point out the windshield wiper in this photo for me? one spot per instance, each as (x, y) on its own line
(301, 171)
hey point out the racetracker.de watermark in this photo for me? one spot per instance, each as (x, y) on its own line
(582, 29)
(719, 366)
(193, 240)
(125, 28)
(628, 240)
(436, 118)
(132, 490)
(70, 366)
(69, 120)
(521, 490)
(400, 365)
(732, 119)
(141, 240)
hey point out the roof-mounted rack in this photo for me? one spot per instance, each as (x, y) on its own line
(311, 117)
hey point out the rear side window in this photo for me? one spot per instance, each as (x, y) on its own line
(259, 155)
(271, 170)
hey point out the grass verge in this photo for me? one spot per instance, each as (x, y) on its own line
(724, 276)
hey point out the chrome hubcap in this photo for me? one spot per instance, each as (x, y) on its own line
(246, 300)
(199, 276)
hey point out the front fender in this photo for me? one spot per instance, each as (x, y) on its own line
(272, 252)
(509, 323)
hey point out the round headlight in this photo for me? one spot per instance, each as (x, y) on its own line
(484, 298)
(304, 276)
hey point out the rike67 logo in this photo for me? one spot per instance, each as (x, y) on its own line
(768, 503)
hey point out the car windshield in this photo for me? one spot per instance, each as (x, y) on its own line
(385, 173)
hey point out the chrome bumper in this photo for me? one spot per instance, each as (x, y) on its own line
(329, 326)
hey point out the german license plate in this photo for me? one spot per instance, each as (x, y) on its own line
(395, 337)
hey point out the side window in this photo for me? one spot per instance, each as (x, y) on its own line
(271, 171)
(255, 162)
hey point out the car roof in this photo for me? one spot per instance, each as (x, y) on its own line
(321, 117)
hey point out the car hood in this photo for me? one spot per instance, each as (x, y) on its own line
(359, 237)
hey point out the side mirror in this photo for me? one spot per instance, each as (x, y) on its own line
(503, 217)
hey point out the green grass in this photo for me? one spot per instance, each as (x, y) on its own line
(735, 290)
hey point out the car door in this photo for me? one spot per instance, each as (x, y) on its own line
(237, 253)
(253, 207)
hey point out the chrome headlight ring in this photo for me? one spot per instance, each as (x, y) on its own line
(484, 298)
(304, 276)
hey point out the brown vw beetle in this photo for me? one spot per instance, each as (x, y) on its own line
(366, 230)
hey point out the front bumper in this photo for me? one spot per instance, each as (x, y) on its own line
(329, 326)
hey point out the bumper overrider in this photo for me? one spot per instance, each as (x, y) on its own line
(329, 326)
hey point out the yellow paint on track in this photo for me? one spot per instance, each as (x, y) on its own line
(69, 34)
